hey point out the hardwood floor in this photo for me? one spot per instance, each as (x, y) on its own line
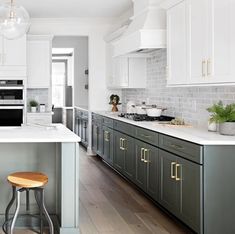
(110, 205)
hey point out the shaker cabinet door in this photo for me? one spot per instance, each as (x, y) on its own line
(169, 193)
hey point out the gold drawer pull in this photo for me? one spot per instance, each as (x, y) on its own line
(146, 154)
(172, 170)
(176, 146)
(177, 166)
(145, 136)
(142, 154)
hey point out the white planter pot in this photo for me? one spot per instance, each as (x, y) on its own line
(33, 109)
(212, 126)
(227, 128)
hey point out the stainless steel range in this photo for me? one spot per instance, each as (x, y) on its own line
(139, 117)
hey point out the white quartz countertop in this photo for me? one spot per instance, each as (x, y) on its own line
(37, 133)
(196, 135)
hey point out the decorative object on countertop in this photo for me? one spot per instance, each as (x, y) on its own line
(15, 20)
(114, 100)
(224, 115)
(33, 105)
(177, 121)
(42, 108)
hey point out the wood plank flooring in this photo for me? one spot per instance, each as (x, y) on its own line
(111, 205)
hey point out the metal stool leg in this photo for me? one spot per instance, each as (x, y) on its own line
(51, 227)
(16, 212)
(38, 200)
(8, 209)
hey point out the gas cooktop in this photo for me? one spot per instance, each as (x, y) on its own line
(138, 117)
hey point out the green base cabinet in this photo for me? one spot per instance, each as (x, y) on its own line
(107, 144)
(147, 168)
(124, 157)
(97, 139)
(181, 189)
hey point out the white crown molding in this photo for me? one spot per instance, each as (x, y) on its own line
(75, 21)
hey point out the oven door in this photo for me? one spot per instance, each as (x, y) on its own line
(11, 115)
(11, 95)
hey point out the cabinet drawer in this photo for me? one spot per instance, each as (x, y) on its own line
(107, 122)
(147, 136)
(124, 127)
(183, 148)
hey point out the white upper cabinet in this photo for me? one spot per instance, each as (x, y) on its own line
(177, 44)
(39, 53)
(221, 53)
(128, 72)
(13, 57)
(201, 35)
(196, 15)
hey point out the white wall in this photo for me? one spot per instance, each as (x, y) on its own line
(80, 45)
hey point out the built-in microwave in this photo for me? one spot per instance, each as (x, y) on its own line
(11, 92)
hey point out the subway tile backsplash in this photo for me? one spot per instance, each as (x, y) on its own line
(40, 95)
(189, 103)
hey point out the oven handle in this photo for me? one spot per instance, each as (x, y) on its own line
(11, 107)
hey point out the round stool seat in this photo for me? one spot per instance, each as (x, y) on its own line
(27, 179)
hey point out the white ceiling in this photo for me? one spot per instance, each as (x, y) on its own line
(75, 8)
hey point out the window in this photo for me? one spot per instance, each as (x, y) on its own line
(59, 78)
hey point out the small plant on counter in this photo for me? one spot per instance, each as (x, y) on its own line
(33, 105)
(224, 115)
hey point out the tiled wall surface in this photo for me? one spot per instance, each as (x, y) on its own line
(189, 103)
(40, 95)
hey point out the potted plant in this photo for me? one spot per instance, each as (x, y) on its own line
(114, 100)
(224, 115)
(33, 105)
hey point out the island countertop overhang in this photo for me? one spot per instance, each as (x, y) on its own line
(30, 134)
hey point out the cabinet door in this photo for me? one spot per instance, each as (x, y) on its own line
(177, 45)
(152, 157)
(221, 57)
(197, 38)
(120, 71)
(39, 64)
(190, 186)
(169, 190)
(129, 157)
(85, 131)
(118, 156)
(94, 137)
(141, 167)
(14, 52)
(108, 144)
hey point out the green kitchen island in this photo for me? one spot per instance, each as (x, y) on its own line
(54, 151)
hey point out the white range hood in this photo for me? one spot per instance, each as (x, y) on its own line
(146, 32)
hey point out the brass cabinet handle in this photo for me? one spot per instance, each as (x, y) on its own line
(142, 154)
(208, 67)
(124, 145)
(203, 68)
(146, 152)
(146, 136)
(106, 136)
(177, 146)
(172, 170)
(120, 144)
(177, 178)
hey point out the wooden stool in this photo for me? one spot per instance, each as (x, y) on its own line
(26, 181)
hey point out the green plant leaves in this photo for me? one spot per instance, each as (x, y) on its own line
(221, 113)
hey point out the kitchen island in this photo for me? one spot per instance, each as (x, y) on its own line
(53, 150)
